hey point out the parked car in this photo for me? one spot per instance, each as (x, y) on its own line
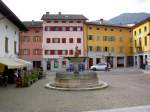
(100, 66)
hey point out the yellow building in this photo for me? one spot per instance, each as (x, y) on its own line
(141, 42)
(103, 42)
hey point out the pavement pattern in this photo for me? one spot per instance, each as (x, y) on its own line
(127, 88)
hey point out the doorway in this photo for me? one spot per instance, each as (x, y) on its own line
(48, 65)
(141, 61)
(90, 62)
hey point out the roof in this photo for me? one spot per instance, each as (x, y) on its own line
(107, 25)
(11, 16)
(63, 17)
(141, 22)
(33, 23)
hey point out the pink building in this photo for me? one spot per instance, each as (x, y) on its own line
(30, 45)
(61, 34)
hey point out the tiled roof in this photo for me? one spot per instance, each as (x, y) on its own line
(7, 13)
(33, 23)
(63, 17)
(141, 22)
(106, 24)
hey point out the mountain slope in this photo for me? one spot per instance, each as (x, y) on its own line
(129, 18)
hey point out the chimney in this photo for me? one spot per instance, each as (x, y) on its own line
(32, 22)
(101, 21)
(47, 13)
(59, 13)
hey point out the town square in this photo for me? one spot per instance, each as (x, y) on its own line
(55, 58)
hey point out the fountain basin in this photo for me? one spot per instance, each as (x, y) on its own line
(86, 80)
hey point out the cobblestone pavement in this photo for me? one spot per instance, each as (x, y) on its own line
(127, 88)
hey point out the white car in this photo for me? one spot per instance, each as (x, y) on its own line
(100, 66)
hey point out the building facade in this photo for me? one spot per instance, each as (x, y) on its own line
(61, 34)
(31, 43)
(9, 32)
(141, 42)
(108, 43)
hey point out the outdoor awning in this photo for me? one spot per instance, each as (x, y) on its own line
(25, 63)
(11, 63)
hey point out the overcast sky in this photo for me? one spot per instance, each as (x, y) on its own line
(92, 9)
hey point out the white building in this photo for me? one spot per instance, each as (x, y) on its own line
(61, 34)
(10, 26)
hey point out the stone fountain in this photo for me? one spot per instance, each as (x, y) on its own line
(85, 80)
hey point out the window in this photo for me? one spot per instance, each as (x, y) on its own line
(121, 49)
(74, 28)
(6, 45)
(37, 39)
(47, 52)
(26, 51)
(67, 28)
(56, 40)
(90, 48)
(98, 48)
(145, 41)
(63, 52)
(90, 27)
(59, 28)
(56, 64)
(59, 52)
(135, 44)
(70, 21)
(97, 37)
(47, 28)
(70, 40)
(71, 52)
(25, 39)
(105, 29)
(135, 33)
(63, 40)
(120, 30)
(71, 28)
(145, 28)
(79, 29)
(106, 49)
(63, 21)
(55, 28)
(112, 38)
(48, 21)
(48, 40)
(104, 38)
(55, 52)
(55, 21)
(79, 51)
(111, 29)
(52, 52)
(78, 40)
(37, 51)
(63, 28)
(97, 28)
(64, 64)
(6, 27)
(15, 47)
(90, 37)
(139, 31)
(37, 31)
(78, 21)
